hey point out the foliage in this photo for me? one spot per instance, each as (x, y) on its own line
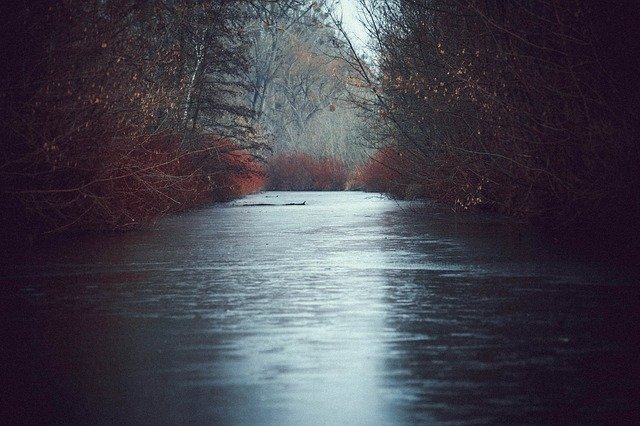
(132, 185)
(301, 172)
(106, 116)
(384, 172)
(522, 107)
(231, 171)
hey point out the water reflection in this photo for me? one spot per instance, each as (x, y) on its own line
(350, 310)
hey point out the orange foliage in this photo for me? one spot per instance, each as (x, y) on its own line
(388, 170)
(158, 175)
(240, 174)
(301, 172)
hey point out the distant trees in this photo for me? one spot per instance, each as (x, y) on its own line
(299, 81)
(522, 107)
(114, 112)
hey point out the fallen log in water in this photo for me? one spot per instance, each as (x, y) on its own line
(304, 203)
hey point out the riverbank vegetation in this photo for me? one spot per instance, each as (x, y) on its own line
(525, 108)
(116, 112)
(301, 172)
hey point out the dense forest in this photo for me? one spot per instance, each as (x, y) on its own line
(117, 112)
(527, 108)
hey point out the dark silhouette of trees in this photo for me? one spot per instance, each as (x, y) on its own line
(114, 112)
(524, 107)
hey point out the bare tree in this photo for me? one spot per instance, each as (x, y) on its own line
(301, 82)
(106, 110)
(517, 106)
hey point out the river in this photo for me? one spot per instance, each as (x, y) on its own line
(351, 309)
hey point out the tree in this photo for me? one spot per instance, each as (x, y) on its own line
(105, 116)
(299, 81)
(520, 107)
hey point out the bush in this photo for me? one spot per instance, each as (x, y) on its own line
(129, 182)
(234, 172)
(526, 109)
(96, 129)
(389, 170)
(301, 172)
(162, 176)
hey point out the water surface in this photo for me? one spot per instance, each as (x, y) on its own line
(352, 309)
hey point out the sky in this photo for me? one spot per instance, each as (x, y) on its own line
(351, 23)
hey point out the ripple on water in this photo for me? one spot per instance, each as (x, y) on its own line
(351, 309)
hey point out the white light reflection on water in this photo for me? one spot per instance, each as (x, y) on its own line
(315, 347)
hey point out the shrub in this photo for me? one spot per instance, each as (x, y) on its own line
(388, 170)
(131, 181)
(301, 172)
(527, 109)
(233, 172)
